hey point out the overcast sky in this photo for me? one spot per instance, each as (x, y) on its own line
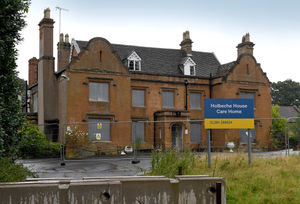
(215, 26)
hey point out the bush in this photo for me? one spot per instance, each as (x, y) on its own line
(11, 172)
(34, 144)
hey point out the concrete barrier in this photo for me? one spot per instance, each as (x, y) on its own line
(125, 189)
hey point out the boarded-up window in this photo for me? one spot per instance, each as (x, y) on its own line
(138, 131)
(195, 132)
(99, 129)
(249, 95)
(195, 100)
(35, 103)
(98, 91)
(168, 99)
(138, 98)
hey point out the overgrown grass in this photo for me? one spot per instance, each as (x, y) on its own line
(268, 180)
(11, 172)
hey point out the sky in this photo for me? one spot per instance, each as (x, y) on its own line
(215, 26)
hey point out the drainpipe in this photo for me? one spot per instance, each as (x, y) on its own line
(210, 95)
(154, 138)
(186, 93)
(210, 85)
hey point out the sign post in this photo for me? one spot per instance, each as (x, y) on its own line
(228, 114)
(249, 148)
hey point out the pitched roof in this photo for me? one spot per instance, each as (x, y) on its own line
(224, 69)
(163, 61)
(288, 111)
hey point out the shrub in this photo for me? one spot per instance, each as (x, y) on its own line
(34, 144)
(167, 163)
(11, 172)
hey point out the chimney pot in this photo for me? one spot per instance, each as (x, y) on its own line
(47, 13)
(67, 38)
(186, 43)
(246, 46)
(61, 38)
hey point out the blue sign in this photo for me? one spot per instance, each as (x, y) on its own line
(229, 108)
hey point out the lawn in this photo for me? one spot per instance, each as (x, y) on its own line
(268, 180)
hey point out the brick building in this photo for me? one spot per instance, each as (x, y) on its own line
(100, 82)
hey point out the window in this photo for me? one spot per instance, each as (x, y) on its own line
(195, 133)
(134, 62)
(138, 98)
(192, 71)
(138, 131)
(35, 103)
(98, 91)
(195, 100)
(249, 95)
(168, 99)
(134, 65)
(99, 129)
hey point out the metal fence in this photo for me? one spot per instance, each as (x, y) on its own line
(99, 137)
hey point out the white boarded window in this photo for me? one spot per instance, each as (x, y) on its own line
(99, 129)
(35, 103)
(98, 91)
(168, 99)
(195, 133)
(195, 100)
(138, 131)
(138, 98)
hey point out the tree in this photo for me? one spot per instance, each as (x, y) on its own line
(12, 14)
(285, 93)
(295, 129)
(278, 129)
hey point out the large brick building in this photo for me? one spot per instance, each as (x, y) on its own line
(100, 82)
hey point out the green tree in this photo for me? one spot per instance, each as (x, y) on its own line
(286, 93)
(295, 129)
(278, 128)
(12, 14)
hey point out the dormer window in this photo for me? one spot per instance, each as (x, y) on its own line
(192, 71)
(188, 66)
(134, 62)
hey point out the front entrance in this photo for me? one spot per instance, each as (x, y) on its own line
(177, 137)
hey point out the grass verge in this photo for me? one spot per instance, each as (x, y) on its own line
(11, 172)
(267, 180)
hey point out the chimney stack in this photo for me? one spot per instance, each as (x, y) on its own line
(246, 46)
(32, 71)
(186, 43)
(63, 52)
(47, 85)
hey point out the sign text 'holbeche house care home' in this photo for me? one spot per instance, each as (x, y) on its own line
(229, 113)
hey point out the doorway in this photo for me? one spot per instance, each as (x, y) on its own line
(177, 137)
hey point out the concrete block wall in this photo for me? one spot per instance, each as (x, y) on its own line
(134, 189)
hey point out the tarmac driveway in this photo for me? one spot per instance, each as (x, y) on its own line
(94, 167)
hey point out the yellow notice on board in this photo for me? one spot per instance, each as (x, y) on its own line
(228, 123)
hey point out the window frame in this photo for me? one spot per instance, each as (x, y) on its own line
(108, 91)
(132, 130)
(102, 119)
(162, 98)
(138, 89)
(195, 142)
(200, 100)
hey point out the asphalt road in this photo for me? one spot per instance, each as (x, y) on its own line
(94, 167)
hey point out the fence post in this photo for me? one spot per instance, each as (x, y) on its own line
(62, 147)
(208, 147)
